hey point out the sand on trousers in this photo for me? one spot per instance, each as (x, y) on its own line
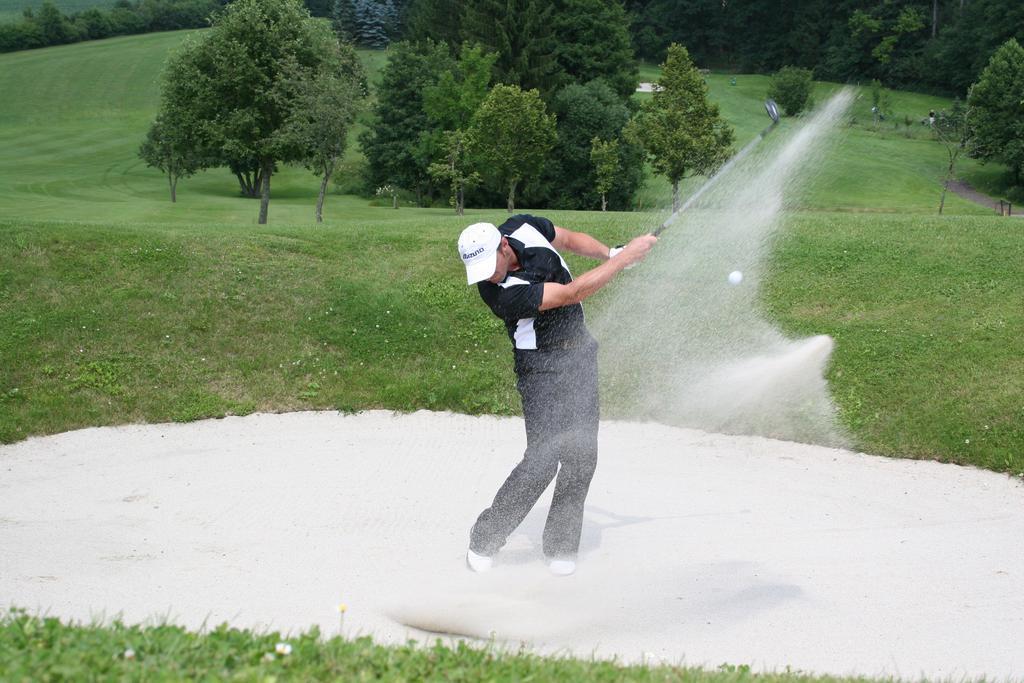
(697, 548)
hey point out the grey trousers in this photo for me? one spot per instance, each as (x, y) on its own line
(560, 407)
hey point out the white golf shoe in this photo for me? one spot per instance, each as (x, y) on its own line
(562, 567)
(478, 563)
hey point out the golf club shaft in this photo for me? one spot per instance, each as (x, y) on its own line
(713, 179)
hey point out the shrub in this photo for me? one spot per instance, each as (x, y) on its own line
(791, 87)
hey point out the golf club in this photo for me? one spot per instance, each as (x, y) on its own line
(773, 112)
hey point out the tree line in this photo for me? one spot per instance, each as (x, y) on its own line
(931, 45)
(49, 26)
(270, 85)
(554, 125)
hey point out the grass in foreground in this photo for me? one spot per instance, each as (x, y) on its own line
(47, 649)
(114, 324)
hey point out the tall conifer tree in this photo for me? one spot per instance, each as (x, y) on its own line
(520, 31)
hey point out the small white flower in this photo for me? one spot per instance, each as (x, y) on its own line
(129, 654)
(967, 440)
(283, 649)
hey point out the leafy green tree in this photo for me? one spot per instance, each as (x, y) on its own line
(323, 109)
(604, 154)
(593, 42)
(236, 85)
(437, 20)
(55, 27)
(168, 148)
(454, 98)
(520, 32)
(972, 34)
(680, 129)
(92, 24)
(511, 133)
(997, 109)
(455, 169)
(450, 105)
(393, 142)
(791, 87)
(584, 112)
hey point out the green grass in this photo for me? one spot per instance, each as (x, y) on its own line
(33, 648)
(890, 167)
(117, 306)
(70, 132)
(114, 323)
(69, 138)
(187, 310)
(924, 312)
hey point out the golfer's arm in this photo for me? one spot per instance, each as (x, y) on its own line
(580, 243)
(556, 295)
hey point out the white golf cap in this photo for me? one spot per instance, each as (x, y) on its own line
(478, 247)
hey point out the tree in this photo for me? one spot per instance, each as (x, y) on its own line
(372, 21)
(969, 38)
(881, 103)
(55, 27)
(343, 20)
(450, 104)
(235, 84)
(791, 87)
(511, 133)
(954, 133)
(997, 109)
(680, 129)
(393, 143)
(604, 154)
(454, 169)
(323, 109)
(592, 41)
(520, 32)
(459, 90)
(167, 147)
(584, 112)
(437, 20)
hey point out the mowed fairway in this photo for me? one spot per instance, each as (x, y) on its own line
(71, 128)
(119, 306)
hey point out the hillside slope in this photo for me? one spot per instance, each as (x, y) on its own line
(73, 118)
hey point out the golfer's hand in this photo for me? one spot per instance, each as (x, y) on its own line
(636, 250)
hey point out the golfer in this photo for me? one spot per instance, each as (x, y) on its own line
(525, 281)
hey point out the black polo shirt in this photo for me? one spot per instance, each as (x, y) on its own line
(517, 298)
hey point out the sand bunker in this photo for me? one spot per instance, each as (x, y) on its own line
(697, 548)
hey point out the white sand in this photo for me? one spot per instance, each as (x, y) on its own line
(697, 548)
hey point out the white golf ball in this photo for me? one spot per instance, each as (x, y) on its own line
(735, 277)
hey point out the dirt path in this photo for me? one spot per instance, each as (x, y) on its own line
(970, 194)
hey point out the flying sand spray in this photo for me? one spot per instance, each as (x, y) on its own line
(681, 346)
